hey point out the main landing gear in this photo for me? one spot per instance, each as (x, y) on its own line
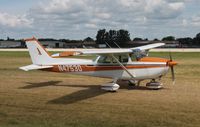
(154, 85)
(112, 87)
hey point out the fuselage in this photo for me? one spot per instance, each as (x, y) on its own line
(145, 68)
(111, 63)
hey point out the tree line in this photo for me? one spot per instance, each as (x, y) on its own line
(121, 37)
(115, 38)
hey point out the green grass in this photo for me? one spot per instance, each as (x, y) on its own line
(45, 99)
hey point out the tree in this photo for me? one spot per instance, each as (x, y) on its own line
(88, 39)
(137, 39)
(196, 40)
(120, 37)
(156, 39)
(100, 37)
(112, 35)
(185, 41)
(169, 38)
(123, 36)
(10, 39)
(198, 36)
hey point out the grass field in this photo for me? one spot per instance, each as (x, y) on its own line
(45, 99)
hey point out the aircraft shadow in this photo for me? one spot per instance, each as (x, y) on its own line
(41, 84)
(133, 87)
(90, 92)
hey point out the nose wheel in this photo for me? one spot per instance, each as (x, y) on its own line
(153, 84)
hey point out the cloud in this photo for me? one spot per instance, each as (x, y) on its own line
(83, 12)
(14, 21)
(160, 9)
(64, 6)
(195, 21)
(81, 18)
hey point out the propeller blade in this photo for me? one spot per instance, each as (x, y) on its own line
(170, 56)
(172, 69)
(173, 75)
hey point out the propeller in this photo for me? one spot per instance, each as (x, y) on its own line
(172, 69)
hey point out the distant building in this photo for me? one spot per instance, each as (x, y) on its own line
(171, 44)
(137, 43)
(53, 44)
(73, 45)
(10, 44)
(89, 44)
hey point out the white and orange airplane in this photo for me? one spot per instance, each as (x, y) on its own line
(132, 64)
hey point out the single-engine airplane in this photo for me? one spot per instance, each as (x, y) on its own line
(132, 64)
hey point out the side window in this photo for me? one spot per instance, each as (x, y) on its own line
(104, 59)
(121, 58)
(124, 59)
(113, 60)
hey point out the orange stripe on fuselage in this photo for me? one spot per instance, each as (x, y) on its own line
(86, 68)
(153, 59)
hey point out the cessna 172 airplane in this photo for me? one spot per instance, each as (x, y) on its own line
(131, 64)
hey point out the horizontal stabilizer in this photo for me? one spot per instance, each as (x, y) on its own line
(34, 67)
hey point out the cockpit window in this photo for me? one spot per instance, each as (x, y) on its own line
(109, 59)
(133, 57)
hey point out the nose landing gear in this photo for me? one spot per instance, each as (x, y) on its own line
(153, 84)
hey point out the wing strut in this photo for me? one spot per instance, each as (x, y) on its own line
(129, 73)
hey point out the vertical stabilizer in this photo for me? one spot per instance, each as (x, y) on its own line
(39, 55)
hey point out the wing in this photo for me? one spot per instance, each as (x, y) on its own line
(107, 51)
(150, 46)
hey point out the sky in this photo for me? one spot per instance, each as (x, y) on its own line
(78, 19)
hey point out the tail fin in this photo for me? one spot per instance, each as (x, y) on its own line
(39, 55)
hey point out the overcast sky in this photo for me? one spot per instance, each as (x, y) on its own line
(78, 19)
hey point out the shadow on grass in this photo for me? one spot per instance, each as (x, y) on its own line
(41, 84)
(133, 87)
(90, 92)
